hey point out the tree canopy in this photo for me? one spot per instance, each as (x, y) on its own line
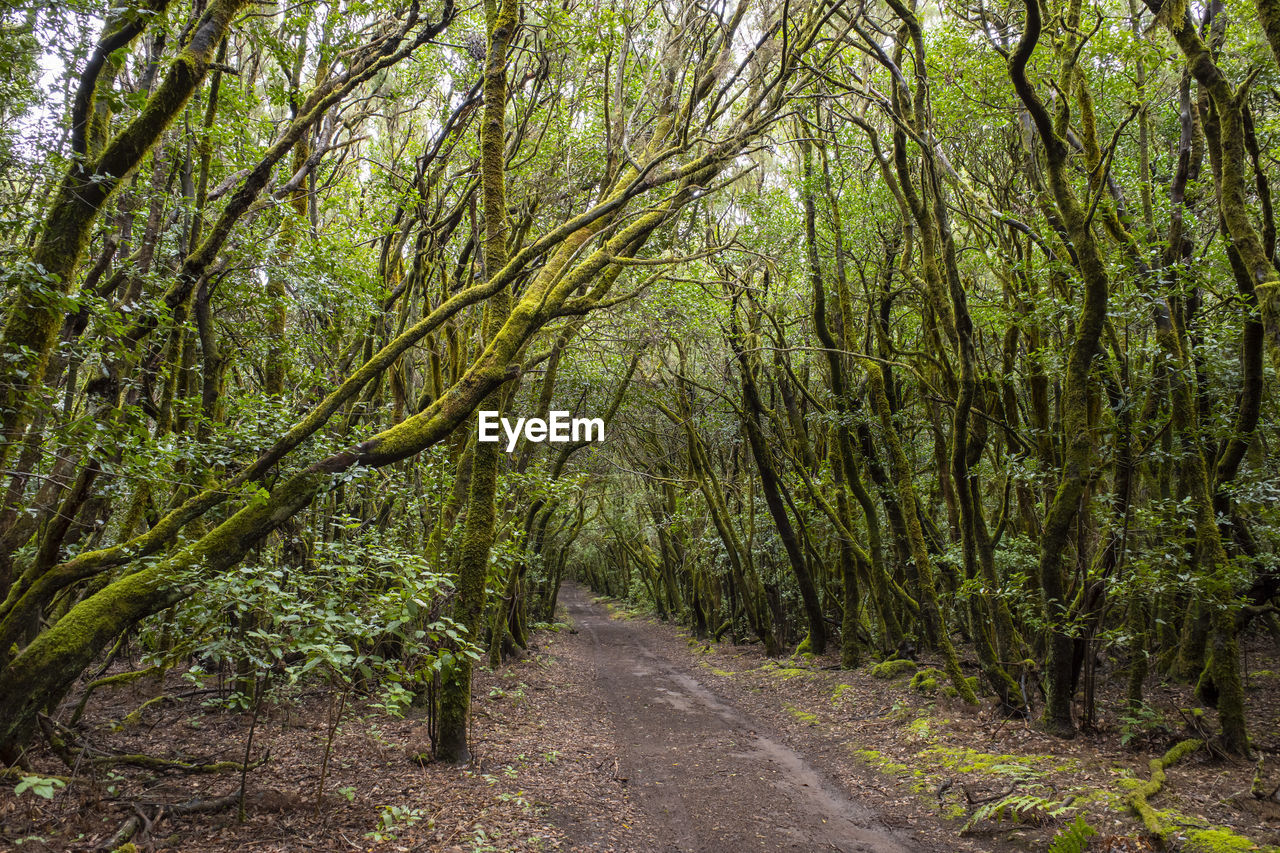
(912, 324)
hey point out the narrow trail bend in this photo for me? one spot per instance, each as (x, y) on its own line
(703, 773)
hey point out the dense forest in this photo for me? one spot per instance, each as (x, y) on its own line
(920, 331)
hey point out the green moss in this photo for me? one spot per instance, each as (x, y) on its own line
(1160, 823)
(920, 729)
(1218, 841)
(926, 680)
(1115, 801)
(964, 760)
(617, 611)
(893, 669)
(1157, 822)
(951, 693)
(805, 647)
(783, 672)
(839, 692)
(802, 716)
(877, 760)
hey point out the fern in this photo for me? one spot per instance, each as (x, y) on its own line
(1019, 808)
(1073, 838)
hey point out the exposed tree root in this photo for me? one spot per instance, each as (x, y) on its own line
(18, 773)
(146, 822)
(1138, 798)
(990, 798)
(75, 753)
(151, 762)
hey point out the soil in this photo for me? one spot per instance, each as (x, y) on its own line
(618, 732)
(705, 774)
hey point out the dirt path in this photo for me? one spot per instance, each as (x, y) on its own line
(623, 736)
(703, 774)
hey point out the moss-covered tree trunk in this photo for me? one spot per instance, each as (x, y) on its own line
(1260, 284)
(1077, 438)
(100, 166)
(745, 580)
(1223, 666)
(772, 489)
(477, 531)
(901, 468)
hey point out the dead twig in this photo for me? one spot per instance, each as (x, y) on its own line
(977, 801)
(141, 822)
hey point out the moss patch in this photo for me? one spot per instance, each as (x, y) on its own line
(1219, 841)
(617, 610)
(893, 669)
(802, 716)
(964, 760)
(923, 762)
(783, 672)
(920, 729)
(877, 760)
(926, 680)
(951, 692)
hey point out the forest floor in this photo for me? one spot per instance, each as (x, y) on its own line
(621, 733)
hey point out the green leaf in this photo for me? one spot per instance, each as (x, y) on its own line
(41, 786)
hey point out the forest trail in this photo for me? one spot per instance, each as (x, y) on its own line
(706, 777)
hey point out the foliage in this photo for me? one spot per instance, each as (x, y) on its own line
(41, 786)
(1018, 808)
(1073, 838)
(392, 820)
(1144, 726)
(360, 614)
(911, 326)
